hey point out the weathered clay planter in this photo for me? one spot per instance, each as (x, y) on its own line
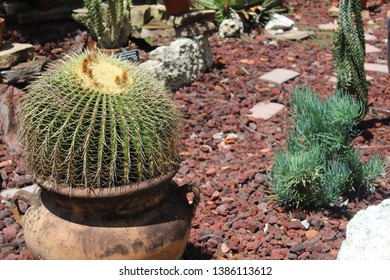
(151, 220)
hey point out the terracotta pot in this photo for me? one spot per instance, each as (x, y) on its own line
(2, 27)
(177, 7)
(150, 220)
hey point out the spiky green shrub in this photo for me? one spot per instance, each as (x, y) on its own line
(109, 23)
(262, 9)
(95, 121)
(349, 51)
(320, 165)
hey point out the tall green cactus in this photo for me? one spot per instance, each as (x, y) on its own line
(349, 51)
(94, 121)
(109, 23)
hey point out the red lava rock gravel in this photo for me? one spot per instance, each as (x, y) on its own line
(228, 154)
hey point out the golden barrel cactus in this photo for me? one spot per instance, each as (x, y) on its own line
(94, 121)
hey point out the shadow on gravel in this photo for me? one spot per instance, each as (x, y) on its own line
(193, 252)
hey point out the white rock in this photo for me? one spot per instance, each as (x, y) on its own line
(9, 193)
(232, 136)
(179, 63)
(305, 224)
(193, 136)
(279, 22)
(368, 235)
(218, 135)
(230, 28)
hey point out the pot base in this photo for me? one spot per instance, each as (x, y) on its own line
(159, 233)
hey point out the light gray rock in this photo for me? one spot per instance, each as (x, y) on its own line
(232, 26)
(179, 63)
(368, 234)
(12, 54)
(9, 193)
(265, 111)
(279, 22)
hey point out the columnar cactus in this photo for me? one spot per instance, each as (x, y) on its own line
(109, 23)
(349, 51)
(95, 121)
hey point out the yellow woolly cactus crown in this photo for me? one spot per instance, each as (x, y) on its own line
(95, 121)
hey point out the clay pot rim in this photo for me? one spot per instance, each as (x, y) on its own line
(82, 192)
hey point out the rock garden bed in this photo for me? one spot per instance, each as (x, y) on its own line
(227, 151)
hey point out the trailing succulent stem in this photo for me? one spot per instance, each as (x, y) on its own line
(95, 121)
(320, 164)
(109, 23)
(349, 51)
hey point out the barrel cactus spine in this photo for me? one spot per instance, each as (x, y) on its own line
(93, 121)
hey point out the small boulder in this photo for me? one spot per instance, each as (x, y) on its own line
(368, 234)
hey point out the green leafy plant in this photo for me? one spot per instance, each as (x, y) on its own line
(109, 23)
(320, 165)
(95, 121)
(349, 51)
(254, 11)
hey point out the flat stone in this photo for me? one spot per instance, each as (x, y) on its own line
(140, 15)
(328, 26)
(9, 193)
(24, 72)
(195, 29)
(12, 54)
(152, 33)
(279, 76)
(294, 35)
(279, 22)
(334, 11)
(191, 17)
(370, 37)
(372, 49)
(265, 110)
(381, 68)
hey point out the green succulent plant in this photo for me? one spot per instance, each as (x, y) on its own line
(262, 8)
(349, 51)
(109, 23)
(320, 165)
(95, 121)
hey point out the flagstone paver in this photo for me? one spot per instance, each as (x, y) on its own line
(294, 35)
(381, 68)
(372, 49)
(328, 26)
(370, 37)
(265, 111)
(279, 76)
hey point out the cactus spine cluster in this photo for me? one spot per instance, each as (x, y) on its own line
(109, 23)
(349, 51)
(95, 121)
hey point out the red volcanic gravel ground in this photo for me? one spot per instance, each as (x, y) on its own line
(228, 154)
